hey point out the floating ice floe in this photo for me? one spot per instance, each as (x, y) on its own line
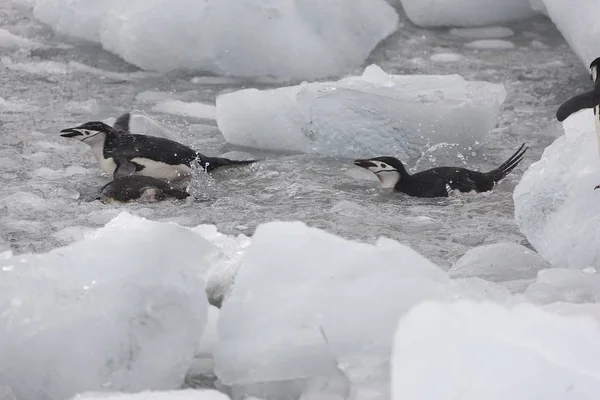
(490, 44)
(122, 310)
(299, 39)
(509, 264)
(313, 314)
(466, 12)
(578, 23)
(564, 285)
(472, 351)
(361, 116)
(556, 206)
(186, 109)
(488, 32)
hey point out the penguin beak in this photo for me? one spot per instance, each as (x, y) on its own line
(364, 163)
(70, 132)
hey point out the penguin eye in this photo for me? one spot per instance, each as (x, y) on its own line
(86, 132)
(383, 165)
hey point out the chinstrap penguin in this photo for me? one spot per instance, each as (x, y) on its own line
(122, 153)
(590, 99)
(440, 181)
(139, 187)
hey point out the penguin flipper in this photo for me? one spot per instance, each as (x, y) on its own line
(577, 103)
(124, 168)
(122, 123)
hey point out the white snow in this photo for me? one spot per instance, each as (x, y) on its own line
(299, 39)
(510, 264)
(122, 310)
(578, 24)
(446, 57)
(488, 32)
(556, 206)
(186, 109)
(491, 44)
(187, 394)
(361, 116)
(311, 312)
(430, 13)
(472, 351)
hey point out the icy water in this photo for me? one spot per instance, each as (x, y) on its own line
(47, 181)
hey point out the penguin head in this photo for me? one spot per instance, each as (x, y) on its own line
(594, 69)
(389, 170)
(87, 131)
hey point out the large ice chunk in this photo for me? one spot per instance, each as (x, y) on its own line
(312, 313)
(298, 39)
(466, 12)
(556, 205)
(579, 25)
(360, 116)
(124, 309)
(511, 264)
(472, 351)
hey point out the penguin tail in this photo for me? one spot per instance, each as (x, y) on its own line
(510, 164)
(211, 163)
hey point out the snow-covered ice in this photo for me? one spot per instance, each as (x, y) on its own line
(186, 109)
(337, 306)
(474, 351)
(490, 44)
(300, 39)
(578, 24)
(361, 116)
(556, 206)
(123, 309)
(510, 264)
(430, 13)
(187, 394)
(488, 32)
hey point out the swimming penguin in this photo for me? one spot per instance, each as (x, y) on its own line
(122, 153)
(586, 100)
(440, 181)
(139, 187)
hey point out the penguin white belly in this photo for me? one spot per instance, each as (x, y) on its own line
(106, 164)
(162, 170)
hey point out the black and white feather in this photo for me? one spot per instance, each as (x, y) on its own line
(440, 181)
(122, 153)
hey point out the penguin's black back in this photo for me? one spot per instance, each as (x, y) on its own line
(432, 183)
(125, 146)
